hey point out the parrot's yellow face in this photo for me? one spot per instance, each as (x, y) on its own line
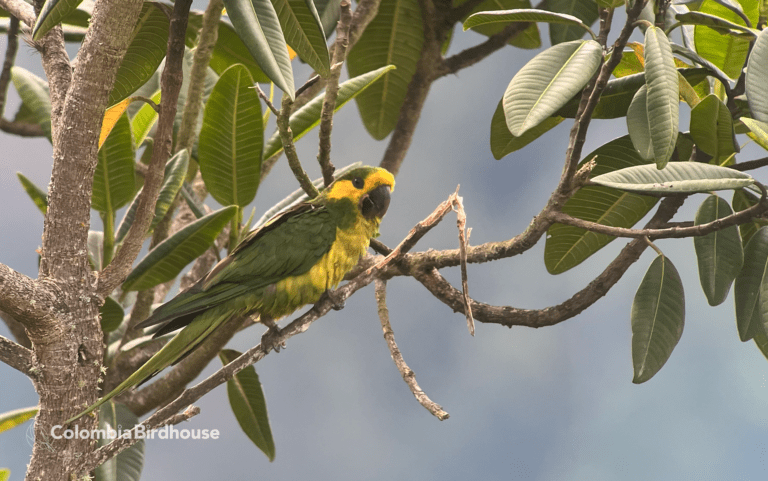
(368, 189)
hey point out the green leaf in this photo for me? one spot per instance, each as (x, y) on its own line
(304, 32)
(166, 260)
(743, 200)
(619, 93)
(307, 117)
(712, 128)
(249, 405)
(231, 139)
(210, 81)
(394, 37)
(547, 82)
(758, 131)
(5, 474)
(127, 465)
(725, 51)
(719, 24)
(38, 195)
(658, 316)
(229, 50)
(761, 340)
(51, 14)
(757, 73)
(675, 178)
(522, 15)
(720, 254)
(698, 59)
(568, 246)
(11, 419)
(114, 182)
(751, 287)
(257, 25)
(111, 315)
(528, 38)
(585, 10)
(502, 140)
(146, 51)
(173, 178)
(662, 100)
(330, 12)
(142, 122)
(35, 95)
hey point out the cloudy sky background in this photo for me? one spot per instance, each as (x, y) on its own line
(549, 404)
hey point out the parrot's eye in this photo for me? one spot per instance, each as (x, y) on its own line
(358, 182)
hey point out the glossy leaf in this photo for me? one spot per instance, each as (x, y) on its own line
(145, 52)
(111, 315)
(307, 117)
(758, 131)
(675, 178)
(757, 78)
(173, 178)
(662, 101)
(585, 10)
(528, 38)
(257, 25)
(166, 260)
(725, 51)
(231, 139)
(394, 37)
(114, 182)
(719, 24)
(523, 15)
(547, 82)
(751, 287)
(329, 14)
(11, 419)
(503, 142)
(761, 340)
(144, 120)
(127, 465)
(229, 50)
(303, 31)
(249, 405)
(568, 246)
(698, 59)
(210, 81)
(35, 95)
(51, 14)
(743, 200)
(712, 128)
(658, 316)
(719, 254)
(38, 195)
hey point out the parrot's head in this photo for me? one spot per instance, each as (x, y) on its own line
(367, 187)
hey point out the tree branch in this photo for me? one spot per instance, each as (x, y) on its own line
(406, 372)
(10, 58)
(30, 302)
(21, 10)
(171, 80)
(286, 136)
(21, 129)
(16, 356)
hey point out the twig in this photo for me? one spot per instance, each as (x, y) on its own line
(16, 356)
(286, 136)
(461, 223)
(266, 100)
(331, 92)
(147, 101)
(408, 375)
(170, 81)
(10, 58)
(21, 10)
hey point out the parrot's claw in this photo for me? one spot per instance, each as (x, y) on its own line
(337, 304)
(269, 339)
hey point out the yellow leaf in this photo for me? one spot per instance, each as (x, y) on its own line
(291, 53)
(110, 119)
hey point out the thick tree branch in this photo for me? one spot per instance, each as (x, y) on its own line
(170, 81)
(30, 302)
(16, 356)
(21, 10)
(406, 372)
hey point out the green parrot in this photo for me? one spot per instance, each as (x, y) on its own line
(285, 264)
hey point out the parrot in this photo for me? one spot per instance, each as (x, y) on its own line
(288, 262)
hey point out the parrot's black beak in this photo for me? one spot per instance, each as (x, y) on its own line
(375, 203)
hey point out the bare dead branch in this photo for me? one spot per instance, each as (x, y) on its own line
(331, 92)
(170, 81)
(16, 356)
(461, 223)
(408, 375)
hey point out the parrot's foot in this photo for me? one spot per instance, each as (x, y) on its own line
(337, 303)
(269, 339)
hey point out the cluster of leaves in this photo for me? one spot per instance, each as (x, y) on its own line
(724, 51)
